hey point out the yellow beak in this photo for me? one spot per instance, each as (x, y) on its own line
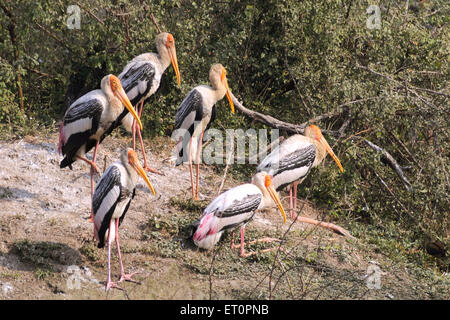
(142, 173)
(173, 59)
(230, 100)
(330, 151)
(277, 200)
(126, 102)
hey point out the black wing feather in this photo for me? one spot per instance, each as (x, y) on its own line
(300, 158)
(211, 120)
(127, 207)
(192, 103)
(247, 204)
(144, 71)
(89, 109)
(140, 72)
(109, 180)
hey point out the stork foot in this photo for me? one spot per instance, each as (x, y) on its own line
(265, 239)
(128, 277)
(246, 254)
(150, 169)
(111, 284)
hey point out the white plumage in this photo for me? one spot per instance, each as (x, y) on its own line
(89, 117)
(224, 213)
(292, 160)
(111, 200)
(235, 208)
(141, 78)
(194, 116)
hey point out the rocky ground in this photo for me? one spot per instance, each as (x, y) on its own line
(47, 252)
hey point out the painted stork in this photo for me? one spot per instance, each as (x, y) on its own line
(235, 208)
(112, 197)
(141, 78)
(194, 116)
(85, 122)
(292, 160)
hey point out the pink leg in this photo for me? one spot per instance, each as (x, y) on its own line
(133, 131)
(135, 125)
(140, 137)
(191, 171)
(91, 163)
(291, 204)
(199, 151)
(146, 166)
(141, 108)
(295, 197)
(109, 283)
(123, 276)
(91, 218)
(242, 245)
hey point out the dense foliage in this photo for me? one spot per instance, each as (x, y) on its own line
(294, 60)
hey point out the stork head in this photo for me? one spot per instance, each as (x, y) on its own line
(218, 74)
(264, 181)
(314, 132)
(165, 42)
(133, 161)
(111, 85)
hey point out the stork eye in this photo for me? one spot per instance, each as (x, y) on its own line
(170, 41)
(131, 156)
(267, 181)
(114, 83)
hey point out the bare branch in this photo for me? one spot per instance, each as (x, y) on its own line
(90, 13)
(298, 128)
(393, 164)
(266, 119)
(155, 22)
(406, 149)
(51, 34)
(346, 123)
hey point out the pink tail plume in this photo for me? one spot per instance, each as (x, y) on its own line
(206, 227)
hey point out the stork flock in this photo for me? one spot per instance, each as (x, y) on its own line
(120, 100)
